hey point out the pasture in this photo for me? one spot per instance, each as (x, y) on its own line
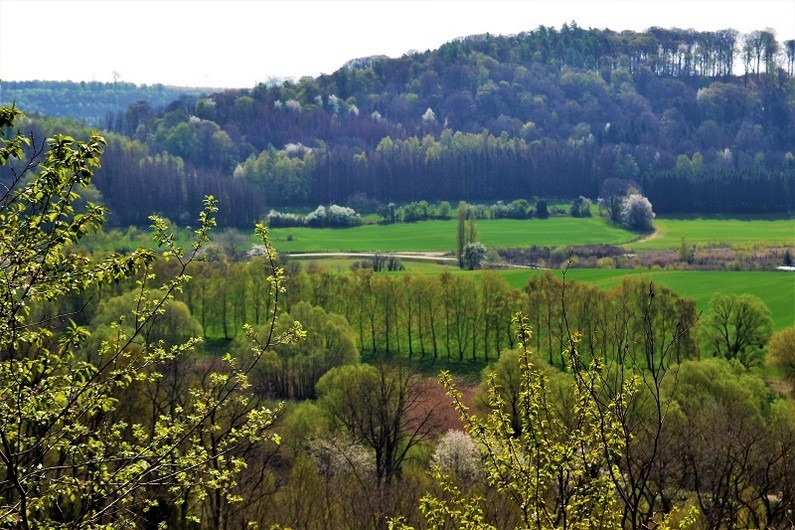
(730, 232)
(427, 236)
(776, 289)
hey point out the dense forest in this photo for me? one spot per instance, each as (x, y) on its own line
(702, 122)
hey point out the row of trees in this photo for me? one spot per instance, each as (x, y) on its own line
(451, 317)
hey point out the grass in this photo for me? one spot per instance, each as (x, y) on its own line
(732, 232)
(555, 231)
(441, 235)
(775, 289)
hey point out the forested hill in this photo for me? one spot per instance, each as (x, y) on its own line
(93, 102)
(702, 121)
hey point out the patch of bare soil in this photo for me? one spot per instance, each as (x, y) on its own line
(437, 400)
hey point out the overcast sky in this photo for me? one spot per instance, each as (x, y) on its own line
(239, 43)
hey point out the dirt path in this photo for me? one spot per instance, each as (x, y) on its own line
(438, 257)
(653, 235)
(426, 256)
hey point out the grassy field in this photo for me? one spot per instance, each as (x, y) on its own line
(732, 232)
(561, 231)
(775, 289)
(441, 235)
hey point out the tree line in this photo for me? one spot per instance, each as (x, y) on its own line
(447, 317)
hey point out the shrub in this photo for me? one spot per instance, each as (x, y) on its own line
(342, 216)
(457, 454)
(474, 255)
(284, 220)
(363, 204)
(580, 207)
(541, 210)
(636, 213)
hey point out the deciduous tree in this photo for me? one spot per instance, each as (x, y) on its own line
(737, 326)
(781, 349)
(66, 460)
(383, 407)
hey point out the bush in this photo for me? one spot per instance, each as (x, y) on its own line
(580, 207)
(457, 454)
(386, 262)
(333, 216)
(363, 204)
(416, 211)
(474, 255)
(342, 216)
(518, 209)
(284, 220)
(636, 213)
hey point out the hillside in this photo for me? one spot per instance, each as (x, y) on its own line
(545, 113)
(95, 103)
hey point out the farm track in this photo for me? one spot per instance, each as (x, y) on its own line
(438, 257)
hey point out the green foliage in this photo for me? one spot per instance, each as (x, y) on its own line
(580, 207)
(461, 236)
(381, 407)
(291, 370)
(737, 326)
(781, 351)
(382, 262)
(284, 177)
(557, 469)
(466, 236)
(69, 458)
(686, 252)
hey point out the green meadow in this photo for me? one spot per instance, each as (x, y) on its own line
(555, 231)
(441, 235)
(731, 232)
(776, 289)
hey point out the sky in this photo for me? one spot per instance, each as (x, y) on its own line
(240, 43)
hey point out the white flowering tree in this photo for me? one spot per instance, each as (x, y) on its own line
(636, 212)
